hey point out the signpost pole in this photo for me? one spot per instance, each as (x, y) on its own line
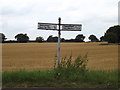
(59, 33)
(65, 27)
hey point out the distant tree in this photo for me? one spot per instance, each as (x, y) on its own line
(52, 39)
(2, 37)
(49, 39)
(80, 38)
(55, 39)
(22, 37)
(112, 35)
(62, 40)
(93, 38)
(39, 39)
(102, 38)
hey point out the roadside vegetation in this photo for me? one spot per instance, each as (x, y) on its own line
(70, 73)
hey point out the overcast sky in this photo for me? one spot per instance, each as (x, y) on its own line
(22, 16)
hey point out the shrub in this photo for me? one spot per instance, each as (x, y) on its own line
(71, 69)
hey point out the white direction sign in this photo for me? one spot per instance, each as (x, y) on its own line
(59, 27)
(71, 27)
(47, 26)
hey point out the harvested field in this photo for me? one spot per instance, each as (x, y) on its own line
(35, 56)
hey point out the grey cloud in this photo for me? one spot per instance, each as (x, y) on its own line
(119, 13)
(11, 11)
(24, 19)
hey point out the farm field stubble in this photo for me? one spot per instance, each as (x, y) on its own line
(40, 56)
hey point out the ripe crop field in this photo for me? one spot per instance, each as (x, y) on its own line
(40, 56)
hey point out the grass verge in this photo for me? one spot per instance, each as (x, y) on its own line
(23, 78)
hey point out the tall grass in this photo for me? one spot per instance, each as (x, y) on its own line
(100, 79)
(70, 73)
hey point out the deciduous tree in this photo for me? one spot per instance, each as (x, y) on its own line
(80, 38)
(2, 37)
(39, 39)
(22, 37)
(93, 38)
(112, 35)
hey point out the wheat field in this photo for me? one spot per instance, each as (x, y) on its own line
(40, 56)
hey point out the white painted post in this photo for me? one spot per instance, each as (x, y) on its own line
(65, 27)
(59, 33)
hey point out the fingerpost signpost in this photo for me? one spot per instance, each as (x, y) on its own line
(59, 27)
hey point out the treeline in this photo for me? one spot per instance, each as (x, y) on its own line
(112, 35)
(24, 38)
